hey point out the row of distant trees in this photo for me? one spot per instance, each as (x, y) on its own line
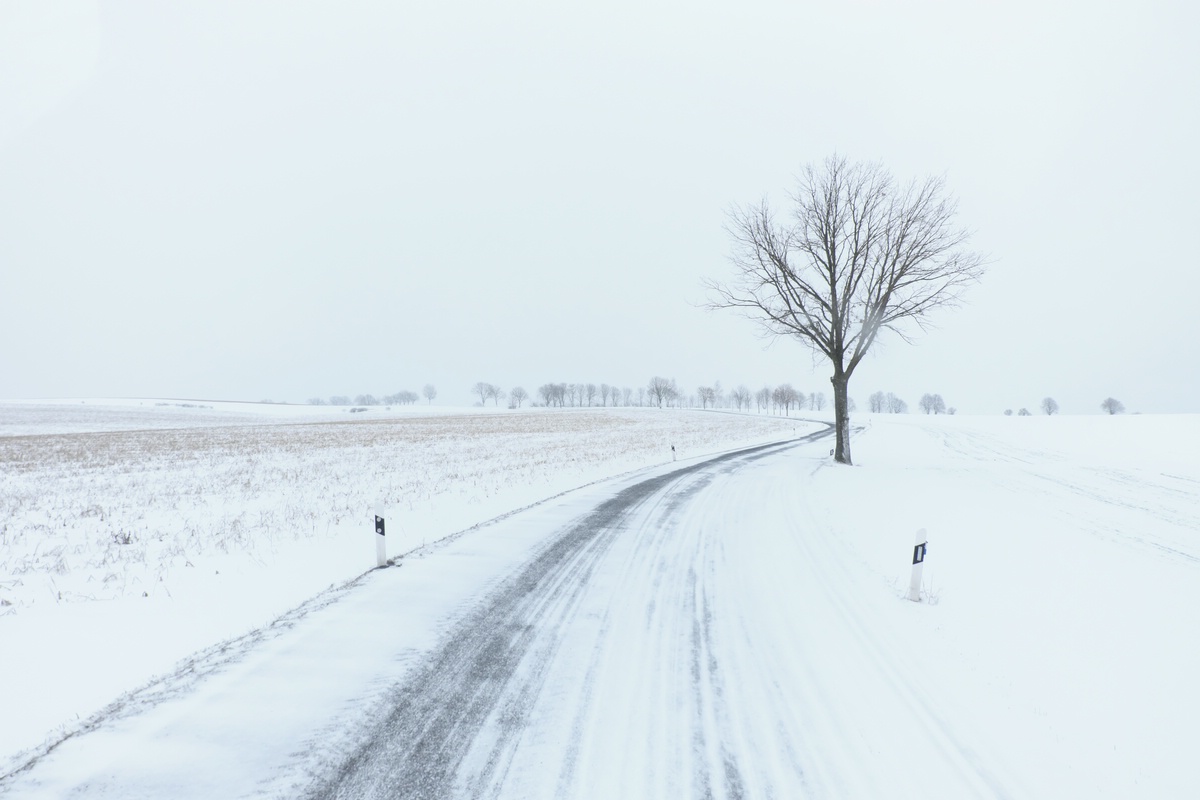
(665, 393)
(402, 398)
(662, 392)
(659, 392)
(880, 403)
(1110, 405)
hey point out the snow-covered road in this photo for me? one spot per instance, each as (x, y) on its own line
(669, 644)
(726, 627)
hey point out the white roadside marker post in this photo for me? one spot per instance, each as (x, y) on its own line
(914, 586)
(380, 541)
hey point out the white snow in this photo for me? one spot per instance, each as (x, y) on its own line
(1054, 652)
(134, 532)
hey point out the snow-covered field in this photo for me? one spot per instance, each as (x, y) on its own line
(1064, 587)
(134, 532)
(1055, 653)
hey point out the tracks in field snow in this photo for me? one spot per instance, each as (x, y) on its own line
(1169, 498)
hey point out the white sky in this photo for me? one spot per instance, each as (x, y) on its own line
(284, 200)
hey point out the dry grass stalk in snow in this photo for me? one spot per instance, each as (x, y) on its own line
(110, 514)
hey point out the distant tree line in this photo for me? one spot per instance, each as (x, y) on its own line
(659, 392)
(880, 403)
(402, 398)
(1110, 405)
(563, 395)
(932, 404)
(662, 392)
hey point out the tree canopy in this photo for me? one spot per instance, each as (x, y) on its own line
(861, 253)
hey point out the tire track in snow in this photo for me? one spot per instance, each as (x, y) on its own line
(854, 619)
(1107, 488)
(454, 728)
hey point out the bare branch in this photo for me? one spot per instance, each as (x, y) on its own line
(862, 255)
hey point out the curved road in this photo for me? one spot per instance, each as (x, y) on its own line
(705, 632)
(690, 637)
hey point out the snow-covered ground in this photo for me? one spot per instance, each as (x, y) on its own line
(39, 417)
(1064, 587)
(134, 532)
(1054, 653)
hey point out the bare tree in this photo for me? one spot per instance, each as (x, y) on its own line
(817, 399)
(895, 405)
(430, 393)
(777, 398)
(707, 396)
(877, 403)
(1024, 412)
(495, 393)
(661, 390)
(741, 397)
(862, 254)
(763, 398)
(1049, 406)
(674, 395)
(589, 392)
(786, 397)
(932, 404)
(484, 390)
(405, 398)
(517, 396)
(1113, 406)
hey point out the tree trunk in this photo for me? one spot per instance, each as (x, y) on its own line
(841, 415)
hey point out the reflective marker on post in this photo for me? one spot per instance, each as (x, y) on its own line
(914, 586)
(380, 542)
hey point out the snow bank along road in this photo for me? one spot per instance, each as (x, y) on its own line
(705, 630)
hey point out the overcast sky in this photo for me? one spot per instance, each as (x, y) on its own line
(236, 200)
